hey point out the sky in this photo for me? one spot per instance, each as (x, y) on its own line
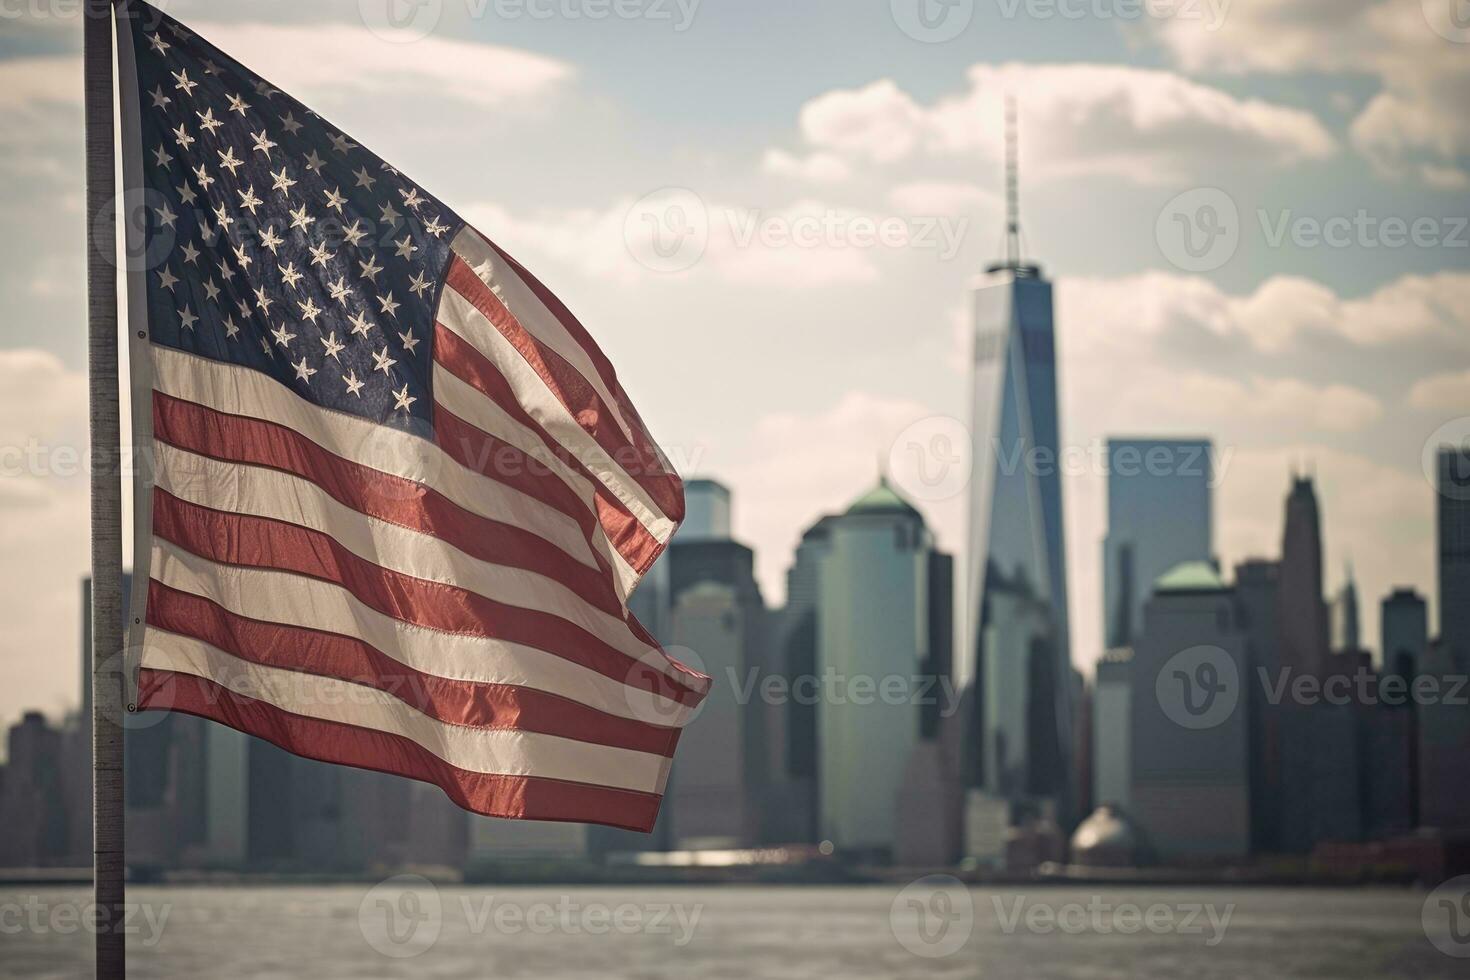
(770, 214)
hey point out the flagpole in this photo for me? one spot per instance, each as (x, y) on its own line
(107, 613)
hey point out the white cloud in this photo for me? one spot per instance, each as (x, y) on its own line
(822, 167)
(942, 197)
(1448, 391)
(740, 248)
(1280, 314)
(1142, 125)
(43, 539)
(330, 60)
(1415, 123)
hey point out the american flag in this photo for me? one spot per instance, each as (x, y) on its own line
(398, 498)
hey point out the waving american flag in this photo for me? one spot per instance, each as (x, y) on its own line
(398, 497)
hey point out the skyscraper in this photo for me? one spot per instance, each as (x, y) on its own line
(1453, 520)
(1159, 516)
(718, 790)
(1345, 634)
(1016, 660)
(1191, 739)
(1404, 630)
(1303, 614)
(872, 625)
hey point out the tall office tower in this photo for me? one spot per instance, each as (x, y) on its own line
(710, 804)
(1454, 554)
(706, 511)
(872, 624)
(1112, 737)
(716, 610)
(795, 632)
(1258, 604)
(930, 814)
(1345, 634)
(1304, 639)
(1159, 516)
(1443, 740)
(32, 796)
(1017, 659)
(1191, 741)
(1404, 632)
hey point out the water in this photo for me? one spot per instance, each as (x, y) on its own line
(253, 933)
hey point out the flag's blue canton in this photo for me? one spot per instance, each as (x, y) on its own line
(295, 251)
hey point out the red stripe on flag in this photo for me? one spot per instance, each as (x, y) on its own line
(235, 438)
(472, 447)
(573, 391)
(257, 542)
(456, 702)
(494, 795)
(652, 459)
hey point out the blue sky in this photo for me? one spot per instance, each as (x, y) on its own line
(787, 369)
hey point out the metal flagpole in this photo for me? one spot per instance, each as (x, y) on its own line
(107, 613)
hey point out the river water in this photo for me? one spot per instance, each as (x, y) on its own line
(408, 928)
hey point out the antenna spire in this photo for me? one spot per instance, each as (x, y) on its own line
(1013, 190)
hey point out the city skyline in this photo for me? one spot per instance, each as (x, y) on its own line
(1345, 356)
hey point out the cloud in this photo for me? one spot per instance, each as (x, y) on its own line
(316, 61)
(1142, 125)
(1415, 124)
(942, 197)
(802, 245)
(1279, 315)
(1449, 392)
(43, 539)
(825, 167)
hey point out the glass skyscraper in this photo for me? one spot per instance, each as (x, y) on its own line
(1017, 664)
